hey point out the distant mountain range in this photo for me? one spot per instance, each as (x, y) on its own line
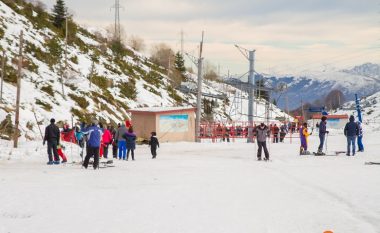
(363, 80)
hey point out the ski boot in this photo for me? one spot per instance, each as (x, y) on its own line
(50, 163)
(57, 162)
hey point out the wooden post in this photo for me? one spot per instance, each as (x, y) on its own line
(2, 76)
(39, 128)
(19, 74)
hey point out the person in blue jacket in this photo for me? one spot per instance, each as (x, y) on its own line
(94, 135)
(351, 131)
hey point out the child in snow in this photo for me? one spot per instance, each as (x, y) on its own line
(154, 144)
(60, 149)
(304, 134)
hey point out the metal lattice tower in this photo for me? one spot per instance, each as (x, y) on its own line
(117, 32)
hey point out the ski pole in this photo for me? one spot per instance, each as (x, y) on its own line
(326, 143)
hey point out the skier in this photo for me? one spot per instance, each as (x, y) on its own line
(121, 142)
(351, 131)
(262, 132)
(304, 134)
(130, 138)
(322, 134)
(154, 144)
(52, 136)
(94, 135)
(360, 137)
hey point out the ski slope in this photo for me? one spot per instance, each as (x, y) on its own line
(206, 188)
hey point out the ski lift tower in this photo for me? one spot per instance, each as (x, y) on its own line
(250, 55)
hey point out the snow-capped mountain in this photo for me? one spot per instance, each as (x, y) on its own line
(363, 80)
(367, 69)
(98, 81)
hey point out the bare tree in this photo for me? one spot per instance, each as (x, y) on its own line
(210, 72)
(137, 43)
(163, 55)
(334, 99)
(111, 33)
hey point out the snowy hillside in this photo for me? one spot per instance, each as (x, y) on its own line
(370, 111)
(364, 80)
(98, 80)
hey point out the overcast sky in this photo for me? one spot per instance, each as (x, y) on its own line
(290, 36)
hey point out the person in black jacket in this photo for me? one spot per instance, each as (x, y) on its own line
(322, 134)
(154, 144)
(52, 136)
(351, 131)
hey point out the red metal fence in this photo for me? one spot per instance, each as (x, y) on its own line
(219, 132)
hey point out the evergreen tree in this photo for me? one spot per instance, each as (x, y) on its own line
(179, 63)
(59, 13)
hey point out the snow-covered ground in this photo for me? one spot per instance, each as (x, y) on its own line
(205, 187)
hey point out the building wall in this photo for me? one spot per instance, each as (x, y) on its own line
(331, 123)
(176, 134)
(144, 124)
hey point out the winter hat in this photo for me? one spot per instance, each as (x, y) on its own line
(52, 120)
(352, 118)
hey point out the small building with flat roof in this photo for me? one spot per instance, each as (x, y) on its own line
(333, 121)
(172, 124)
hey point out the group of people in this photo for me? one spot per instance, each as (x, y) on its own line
(95, 139)
(353, 130)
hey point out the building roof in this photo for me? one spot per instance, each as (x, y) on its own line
(162, 109)
(319, 116)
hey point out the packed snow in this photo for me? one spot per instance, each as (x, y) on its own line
(206, 187)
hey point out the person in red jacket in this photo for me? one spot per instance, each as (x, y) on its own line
(106, 140)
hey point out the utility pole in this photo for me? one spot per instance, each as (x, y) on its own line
(66, 37)
(62, 71)
(302, 113)
(287, 104)
(2, 75)
(117, 7)
(199, 95)
(250, 55)
(19, 74)
(182, 43)
(251, 82)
